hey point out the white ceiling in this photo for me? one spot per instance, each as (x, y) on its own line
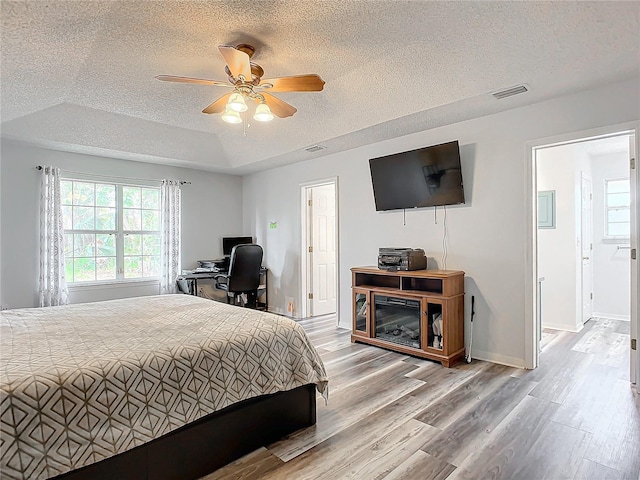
(79, 75)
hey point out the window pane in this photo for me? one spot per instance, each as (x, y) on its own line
(105, 268)
(84, 270)
(68, 269)
(84, 245)
(105, 218)
(131, 219)
(151, 266)
(66, 192)
(617, 186)
(620, 215)
(132, 267)
(131, 197)
(106, 245)
(151, 198)
(132, 244)
(68, 245)
(151, 244)
(105, 195)
(83, 218)
(618, 200)
(67, 218)
(150, 220)
(83, 193)
(618, 229)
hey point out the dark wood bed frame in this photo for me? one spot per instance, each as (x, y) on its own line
(201, 447)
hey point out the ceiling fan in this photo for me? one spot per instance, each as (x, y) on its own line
(245, 77)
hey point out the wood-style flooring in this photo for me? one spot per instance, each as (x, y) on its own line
(393, 416)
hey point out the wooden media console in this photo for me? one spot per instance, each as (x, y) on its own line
(418, 312)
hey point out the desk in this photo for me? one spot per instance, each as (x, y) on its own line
(188, 283)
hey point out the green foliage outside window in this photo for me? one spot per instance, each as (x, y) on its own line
(95, 243)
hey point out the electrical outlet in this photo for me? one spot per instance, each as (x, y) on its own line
(291, 307)
(4, 307)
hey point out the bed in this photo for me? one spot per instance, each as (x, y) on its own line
(170, 386)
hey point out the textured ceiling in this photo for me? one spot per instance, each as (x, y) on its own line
(79, 75)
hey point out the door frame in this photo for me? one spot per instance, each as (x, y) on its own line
(583, 178)
(304, 254)
(531, 246)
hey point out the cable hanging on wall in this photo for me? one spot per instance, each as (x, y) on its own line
(444, 239)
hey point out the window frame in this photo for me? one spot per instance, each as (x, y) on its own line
(119, 232)
(607, 238)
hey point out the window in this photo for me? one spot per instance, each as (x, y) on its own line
(617, 208)
(112, 231)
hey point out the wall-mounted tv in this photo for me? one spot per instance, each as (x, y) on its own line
(425, 177)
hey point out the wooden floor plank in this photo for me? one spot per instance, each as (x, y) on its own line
(616, 441)
(504, 451)
(348, 452)
(464, 398)
(254, 465)
(575, 417)
(557, 385)
(557, 453)
(594, 394)
(595, 471)
(421, 466)
(347, 407)
(472, 430)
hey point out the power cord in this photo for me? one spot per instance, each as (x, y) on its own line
(444, 240)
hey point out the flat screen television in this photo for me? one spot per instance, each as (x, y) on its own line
(425, 177)
(229, 242)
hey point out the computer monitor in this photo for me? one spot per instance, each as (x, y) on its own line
(229, 242)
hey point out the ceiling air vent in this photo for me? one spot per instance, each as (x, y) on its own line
(509, 92)
(315, 148)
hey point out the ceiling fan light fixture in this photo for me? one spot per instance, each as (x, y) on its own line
(231, 116)
(263, 113)
(236, 103)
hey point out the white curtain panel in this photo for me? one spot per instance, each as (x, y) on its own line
(170, 251)
(52, 283)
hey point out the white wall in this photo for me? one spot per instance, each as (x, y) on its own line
(211, 208)
(560, 169)
(487, 237)
(611, 271)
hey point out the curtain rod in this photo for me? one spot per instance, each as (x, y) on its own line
(182, 182)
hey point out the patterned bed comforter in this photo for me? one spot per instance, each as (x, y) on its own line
(80, 383)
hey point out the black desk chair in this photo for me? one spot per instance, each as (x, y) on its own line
(243, 275)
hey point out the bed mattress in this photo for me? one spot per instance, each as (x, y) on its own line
(80, 383)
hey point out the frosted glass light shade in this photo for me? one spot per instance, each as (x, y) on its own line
(236, 103)
(231, 116)
(263, 113)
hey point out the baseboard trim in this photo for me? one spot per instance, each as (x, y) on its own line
(612, 316)
(555, 326)
(497, 358)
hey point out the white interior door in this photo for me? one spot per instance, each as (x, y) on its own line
(586, 246)
(322, 215)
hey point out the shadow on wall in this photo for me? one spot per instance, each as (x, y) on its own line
(468, 164)
(284, 286)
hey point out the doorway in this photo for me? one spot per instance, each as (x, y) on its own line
(320, 248)
(584, 220)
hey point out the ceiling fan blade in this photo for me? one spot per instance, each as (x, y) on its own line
(219, 105)
(237, 61)
(200, 81)
(278, 107)
(298, 83)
